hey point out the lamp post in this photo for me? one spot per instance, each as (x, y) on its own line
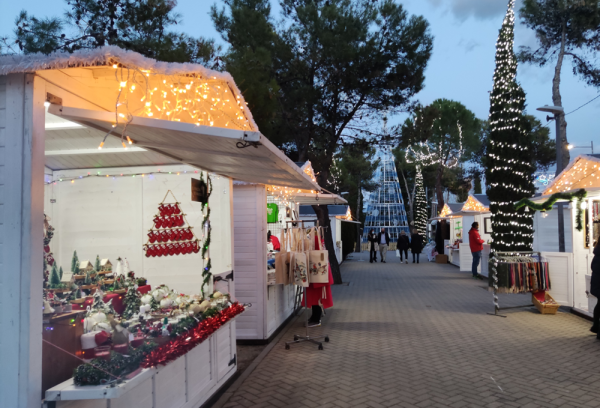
(558, 112)
(591, 146)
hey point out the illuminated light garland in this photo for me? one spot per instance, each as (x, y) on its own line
(446, 211)
(509, 168)
(472, 204)
(420, 204)
(114, 176)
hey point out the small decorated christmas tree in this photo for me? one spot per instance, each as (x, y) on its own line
(54, 277)
(132, 302)
(75, 263)
(97, 265)
(420, 204)
(60, 272)
(98, 303)
(154, 304)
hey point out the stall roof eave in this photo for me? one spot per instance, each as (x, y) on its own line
(318, 199)
(214, 149)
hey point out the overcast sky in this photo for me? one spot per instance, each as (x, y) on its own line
(461, 67)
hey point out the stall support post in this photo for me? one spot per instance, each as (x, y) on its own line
(561, 227)
(21, 238)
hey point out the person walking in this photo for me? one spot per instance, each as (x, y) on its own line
(476, 245)
(383, 239)
(403, 245)
(416, 245)
(595, 289)
(372, 238)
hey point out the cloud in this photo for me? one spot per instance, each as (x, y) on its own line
(478, 9)
(468, 45)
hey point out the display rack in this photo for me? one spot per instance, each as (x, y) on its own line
(494, 277)
(306, 338)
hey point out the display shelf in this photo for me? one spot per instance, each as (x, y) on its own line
(216, 355)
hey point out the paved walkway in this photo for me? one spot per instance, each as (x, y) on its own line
(417, 335)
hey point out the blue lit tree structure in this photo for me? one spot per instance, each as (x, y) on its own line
(385, 207)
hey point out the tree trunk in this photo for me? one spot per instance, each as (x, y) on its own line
(410, 197)
(557, 101)
(438, 187)
(322, 212)
(359, 194)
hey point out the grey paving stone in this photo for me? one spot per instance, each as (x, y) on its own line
(418, 335)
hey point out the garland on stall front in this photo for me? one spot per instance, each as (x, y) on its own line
(190, 339)
(206, 275)
(547, 205)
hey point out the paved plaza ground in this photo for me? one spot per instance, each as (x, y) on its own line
(418, 335)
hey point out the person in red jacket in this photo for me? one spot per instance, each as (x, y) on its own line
(476, 245)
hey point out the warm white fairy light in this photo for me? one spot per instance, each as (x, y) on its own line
(420, 204)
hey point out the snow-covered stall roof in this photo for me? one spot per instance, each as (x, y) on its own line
(583, 172)
(174, 112)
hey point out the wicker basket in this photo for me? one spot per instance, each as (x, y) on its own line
(545, 308)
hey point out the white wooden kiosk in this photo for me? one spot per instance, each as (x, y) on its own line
(87, 95)
(475, 209)
(570, 270)
(455, 230)
(272, 304)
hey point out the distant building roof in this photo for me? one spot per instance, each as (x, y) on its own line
(483, 199)
(455, 207)
(334, 210)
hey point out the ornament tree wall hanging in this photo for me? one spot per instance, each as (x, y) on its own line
(509, 170)
(172, 234)
(420, 204)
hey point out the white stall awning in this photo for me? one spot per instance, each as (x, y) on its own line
(317, 199)
(240, 155)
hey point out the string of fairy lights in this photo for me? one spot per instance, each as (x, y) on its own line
(420, 204)
(509, 174)
(421, 153)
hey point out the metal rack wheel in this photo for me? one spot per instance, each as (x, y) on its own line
(287, 346)
(320, 346)
(295, 338)
(327, 339)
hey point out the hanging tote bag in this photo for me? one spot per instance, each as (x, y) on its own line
(318, 261)
(298, 261)
(282, 261)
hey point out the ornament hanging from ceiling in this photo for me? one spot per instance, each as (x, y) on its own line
(171, 234)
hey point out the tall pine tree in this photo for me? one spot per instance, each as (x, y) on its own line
(509, 162)
(420, 205)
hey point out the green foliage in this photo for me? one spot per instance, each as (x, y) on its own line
(75, 263)
(549, 203)
(54, 277)
(328, 70)
(577, 21)
(138, 25)
(509, 151)
(97, 264)
(60, 273)
(443, 135)
(132, 302)
(100, 371)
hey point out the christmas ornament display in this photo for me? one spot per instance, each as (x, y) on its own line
(171, 234)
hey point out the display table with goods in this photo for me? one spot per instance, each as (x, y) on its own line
(162, 337)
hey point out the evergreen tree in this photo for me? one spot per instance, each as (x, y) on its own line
(75, 263)
(97, 265)
(54, 277)
(60, 273)
(132, 302)
(420, 223)
(509, 163)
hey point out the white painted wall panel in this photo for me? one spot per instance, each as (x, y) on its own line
(249, 223)
(200, 370)
(545, 237)
(561, 276)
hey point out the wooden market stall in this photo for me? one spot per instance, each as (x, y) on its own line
(259, 208)
(337, 215)
(91, 143)
(570, 269)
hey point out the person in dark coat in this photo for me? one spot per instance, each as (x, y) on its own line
(372, 238)
(416, 245)
(403, 245)
(595, 289)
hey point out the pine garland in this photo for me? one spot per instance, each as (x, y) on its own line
(549, 203)
(206, 275)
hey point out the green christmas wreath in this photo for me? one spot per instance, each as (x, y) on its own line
(547, 205)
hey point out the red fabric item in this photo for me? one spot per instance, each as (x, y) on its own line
(101, 338)
(540, 296)
(275, 242)
(475, 241)
(314, 292)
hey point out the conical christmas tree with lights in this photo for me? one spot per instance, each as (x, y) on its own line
(420, 205)
(509, 170)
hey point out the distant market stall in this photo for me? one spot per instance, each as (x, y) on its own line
(118, 227)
